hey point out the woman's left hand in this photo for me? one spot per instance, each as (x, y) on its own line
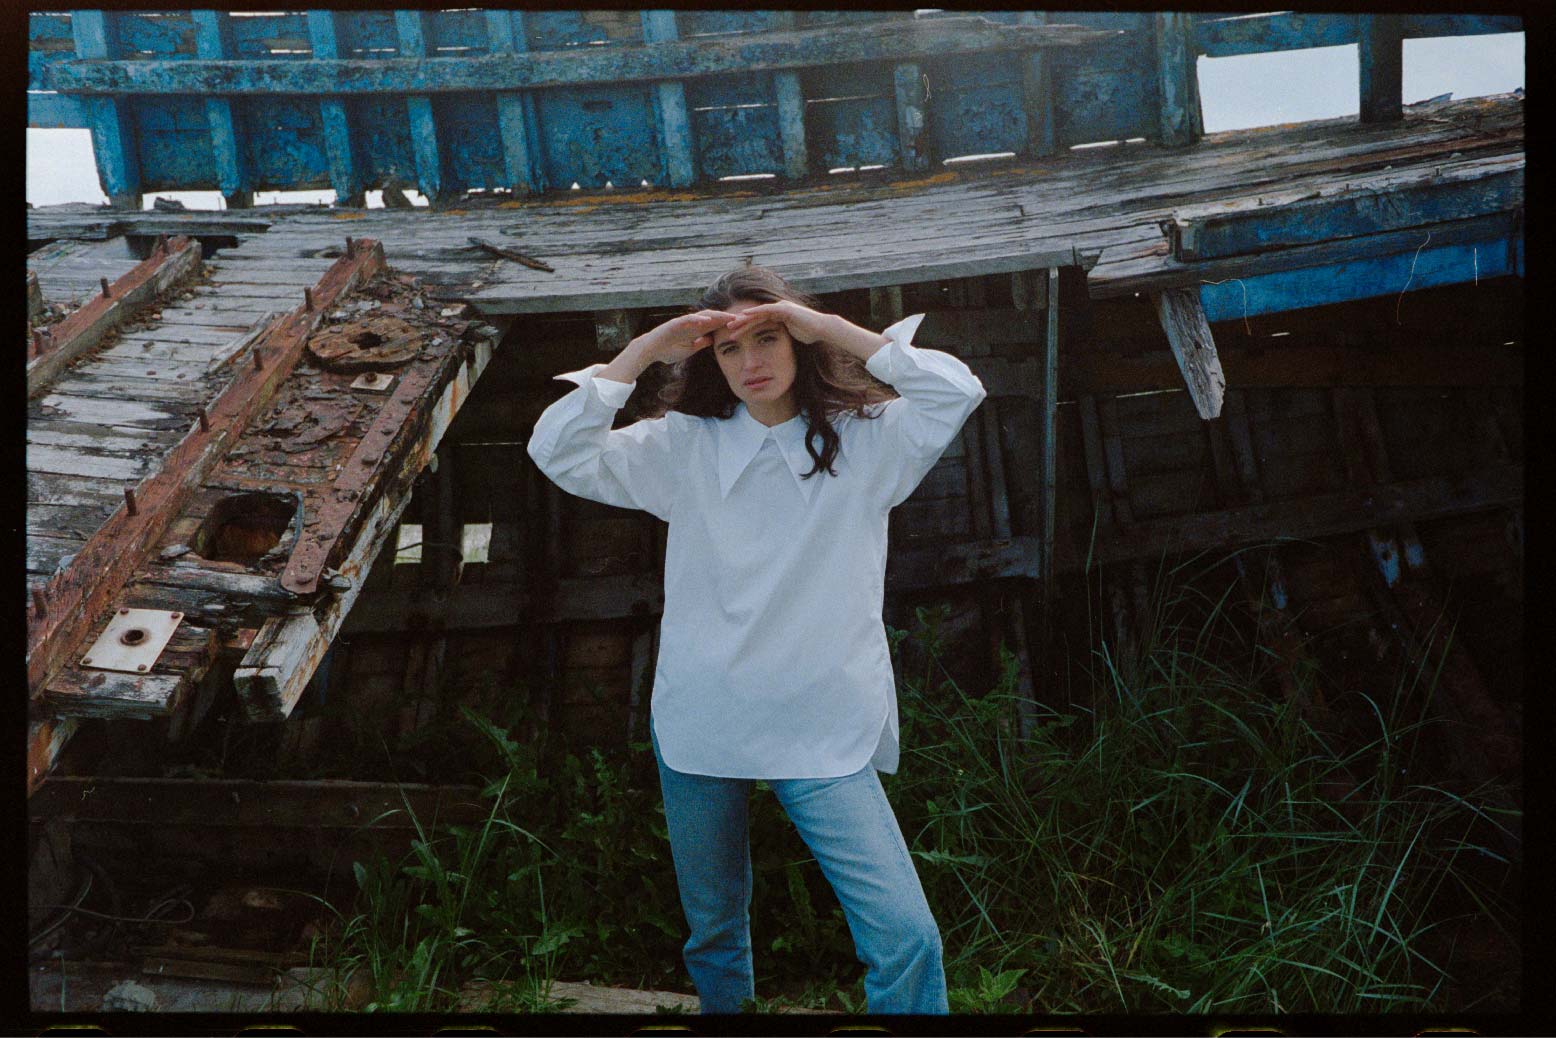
(804, 324)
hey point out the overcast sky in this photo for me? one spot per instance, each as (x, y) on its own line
(1237, 92)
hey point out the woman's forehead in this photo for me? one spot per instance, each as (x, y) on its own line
(723, 335)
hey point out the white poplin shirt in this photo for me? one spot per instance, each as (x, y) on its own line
(773, 660)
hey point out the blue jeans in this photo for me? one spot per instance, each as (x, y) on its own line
(849, 826)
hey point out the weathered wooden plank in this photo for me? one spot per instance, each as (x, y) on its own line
(68, 461)
(669, 60)
(77, 334)
(1193, 346)
(674, 123)
(1417, 197)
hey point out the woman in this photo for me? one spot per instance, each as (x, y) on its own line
(775, 460)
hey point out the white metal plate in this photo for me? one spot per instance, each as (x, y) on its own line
(373, 381)
(132, 641)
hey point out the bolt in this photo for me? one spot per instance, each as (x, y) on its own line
(86, 661)
(351, 247)
(38, 602)
(205, 421)
(142, 667)
(129, 500)
(308, 298)
(104, 282)
(259, 363)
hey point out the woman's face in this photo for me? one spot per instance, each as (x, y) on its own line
(757, 362)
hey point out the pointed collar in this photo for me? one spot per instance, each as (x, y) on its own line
(741, 437)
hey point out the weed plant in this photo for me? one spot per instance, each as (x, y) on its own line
(1182, 841)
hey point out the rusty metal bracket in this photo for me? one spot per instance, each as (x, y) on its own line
(346, 494)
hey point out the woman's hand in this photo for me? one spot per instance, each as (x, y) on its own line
(680, 337)
(803, 323)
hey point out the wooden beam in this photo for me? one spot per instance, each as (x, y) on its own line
(790, 99)
(79, 333)
(277, 667)
(113, 130)
(410, 31)
(339, 146)
(1459, 191)
(46, 736)
(1380, 57)
(1295, 30)
(1194, 348)
(893, 41)
(674, 120)
(75, 596)
(912, 116)
(1049, 432)
(1175, 78)
(1322, 515)
(213, 42)
(516, 116)
(1037, 93)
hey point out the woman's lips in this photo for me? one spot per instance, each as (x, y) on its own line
(758, 383)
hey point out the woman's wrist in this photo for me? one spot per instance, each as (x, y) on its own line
(861, 342)
(627, 365)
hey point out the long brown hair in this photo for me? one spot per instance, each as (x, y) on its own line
(827, 379)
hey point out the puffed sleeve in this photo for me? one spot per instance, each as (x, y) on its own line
(574, 445)
(938, 392)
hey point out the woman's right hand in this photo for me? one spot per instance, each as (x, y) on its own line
(680, 337)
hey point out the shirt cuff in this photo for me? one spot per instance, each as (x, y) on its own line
(890, 359)
(608, 391)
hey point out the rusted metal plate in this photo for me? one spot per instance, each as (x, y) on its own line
(132, 641)
(373, 382)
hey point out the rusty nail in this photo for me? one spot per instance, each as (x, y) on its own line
(308, 298)
(129, 500)
(104, 282)
(38, 602)
(205, 422)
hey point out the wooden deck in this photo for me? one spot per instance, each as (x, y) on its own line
(1106, 205)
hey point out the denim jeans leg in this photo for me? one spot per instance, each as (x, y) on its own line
(709, 842)
(849, 826)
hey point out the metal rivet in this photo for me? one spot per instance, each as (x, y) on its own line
(177, 616)
(86, 660)
(142, 667)
(124, 612)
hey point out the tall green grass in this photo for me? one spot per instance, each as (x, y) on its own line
(1180, 841)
